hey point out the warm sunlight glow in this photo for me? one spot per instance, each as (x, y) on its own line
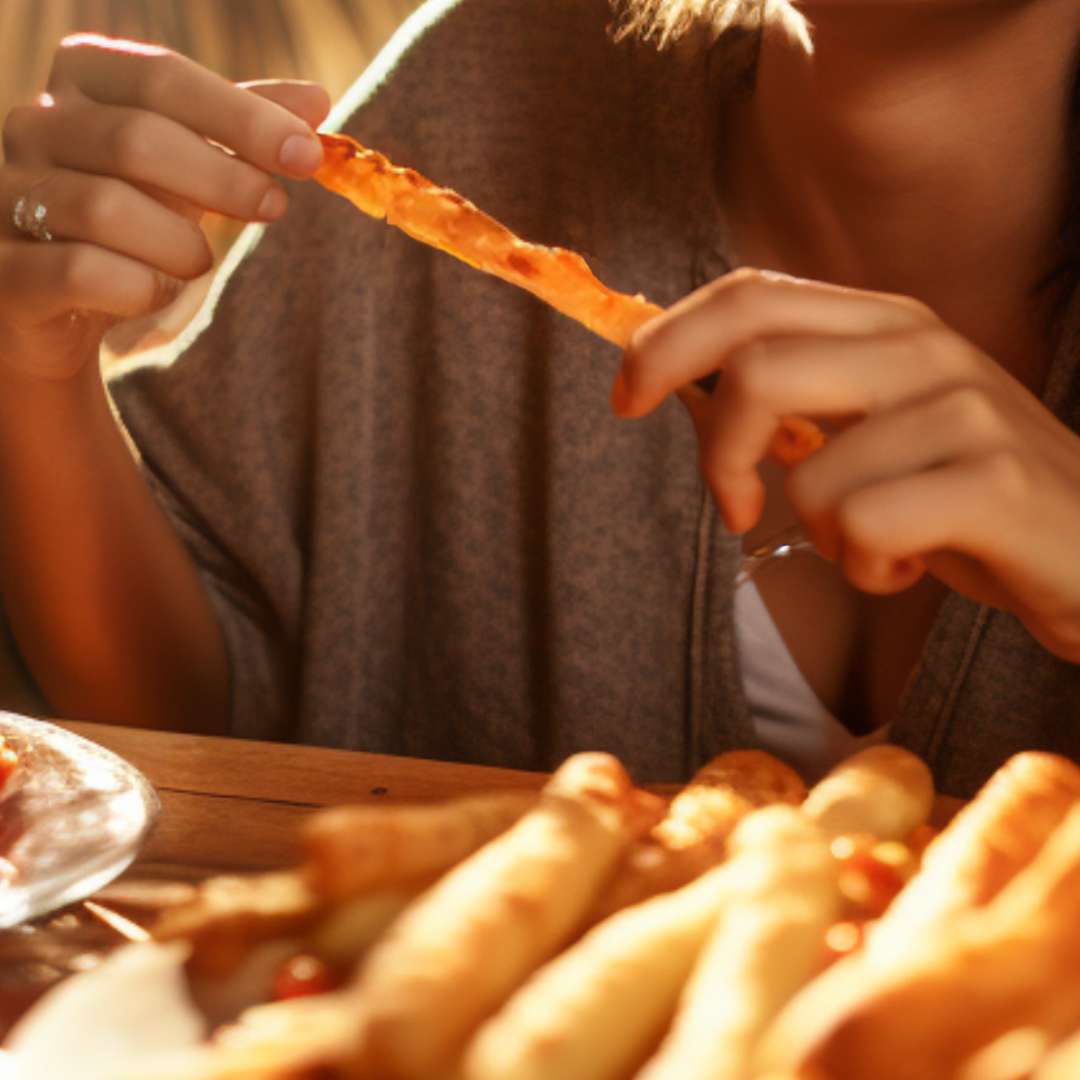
(133, 48)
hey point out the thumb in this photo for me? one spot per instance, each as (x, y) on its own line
(307, 100)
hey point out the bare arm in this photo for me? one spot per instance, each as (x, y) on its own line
(103, 599)
(106, 604)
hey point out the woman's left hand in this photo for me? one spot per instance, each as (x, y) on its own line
(942, 462)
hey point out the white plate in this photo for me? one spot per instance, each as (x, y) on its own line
(73, 817)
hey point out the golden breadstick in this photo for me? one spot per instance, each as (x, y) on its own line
(886, 791)
(445, 220)
(993, 837)
(230, 915)
(758, 776)
(998, 833)
(352, 850)
(453, 957)
(442, 218)
(1063, 1061)
(1009, 964)
(750, 778)
(1013, 1056)
(769, 941)
(596, 1010)
(350, 928)
(693, 834)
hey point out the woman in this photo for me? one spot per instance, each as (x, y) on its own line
(396, 513)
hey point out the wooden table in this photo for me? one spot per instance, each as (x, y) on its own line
(226, 805)
(234, 804)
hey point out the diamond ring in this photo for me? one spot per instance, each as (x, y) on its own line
(29, 218)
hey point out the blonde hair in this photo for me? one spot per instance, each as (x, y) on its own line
(665, 21)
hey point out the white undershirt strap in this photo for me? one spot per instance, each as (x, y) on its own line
(788, 718)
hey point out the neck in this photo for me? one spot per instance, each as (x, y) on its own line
(922, 149)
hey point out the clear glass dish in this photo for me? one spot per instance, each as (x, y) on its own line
(72, 817)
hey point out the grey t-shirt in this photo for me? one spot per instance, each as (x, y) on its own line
(423, 531)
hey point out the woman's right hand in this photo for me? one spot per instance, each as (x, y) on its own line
(125, 152)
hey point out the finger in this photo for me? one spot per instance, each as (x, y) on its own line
(878, 574)
(114, 215)
(156, 80)
(42, 281)
(837, 377)
(927, 433)
(305, 99)
(693, 338)
(963, 507)
(970, 578)
(153, 151)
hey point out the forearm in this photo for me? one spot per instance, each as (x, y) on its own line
(105, 602)
(118, 161)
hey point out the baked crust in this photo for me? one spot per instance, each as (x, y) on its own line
(446, 220)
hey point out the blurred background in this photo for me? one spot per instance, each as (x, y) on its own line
(329, 41)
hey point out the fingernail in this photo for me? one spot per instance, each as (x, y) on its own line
(274, 203)
(300, 154)
(875, 573)
(620, 396)
(909, 568)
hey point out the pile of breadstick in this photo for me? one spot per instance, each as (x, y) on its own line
(745, 930)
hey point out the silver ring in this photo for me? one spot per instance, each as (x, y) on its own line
(29, 218)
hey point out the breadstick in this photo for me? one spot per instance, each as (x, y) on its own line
(721, 794)
(445, 220)
(596, 1010)
(1013, 1056)
(886, 791)
(230, 915)
(1063, 1062)
(767, 944)
(693, 835)
(1009, 964)
(992, 838)
(350, 928)
(756, 775)
(455, 955)
(352, 850)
